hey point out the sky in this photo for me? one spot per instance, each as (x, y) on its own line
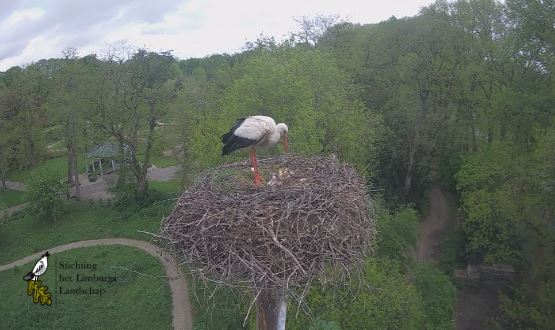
(35, 29)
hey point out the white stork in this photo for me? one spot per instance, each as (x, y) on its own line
(254, 131)
(39, 269)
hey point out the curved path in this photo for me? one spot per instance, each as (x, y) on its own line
(181, 311)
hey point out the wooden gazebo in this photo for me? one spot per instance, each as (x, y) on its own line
(102, 152)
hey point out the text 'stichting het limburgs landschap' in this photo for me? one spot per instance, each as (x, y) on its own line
(81, 278)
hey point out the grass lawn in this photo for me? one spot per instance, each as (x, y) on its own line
(163, 161)
(10, 198)
(133, 301)
(57, 165)
(169, 187)
(24, 235)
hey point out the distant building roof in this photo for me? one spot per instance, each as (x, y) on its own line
(105, 150)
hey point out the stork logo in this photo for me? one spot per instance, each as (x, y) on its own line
(35, 288)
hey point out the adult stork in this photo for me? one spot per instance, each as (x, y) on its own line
(254, 131)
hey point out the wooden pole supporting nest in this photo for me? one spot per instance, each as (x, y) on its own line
(311, 219)
(271, 309)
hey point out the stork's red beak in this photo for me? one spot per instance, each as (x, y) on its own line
(285, 143)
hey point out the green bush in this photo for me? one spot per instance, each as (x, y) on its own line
(438, 296)
(397, 232)
(384, 300)
(47, 195)
(452, 250)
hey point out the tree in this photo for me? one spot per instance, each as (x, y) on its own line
(534, 22)
(311, 30)
(196, 109)
(67, 103)
(133, 97)
(21, 113)
(306, 90)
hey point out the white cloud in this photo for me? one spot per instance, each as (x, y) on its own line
(194, 28)
(22, 16)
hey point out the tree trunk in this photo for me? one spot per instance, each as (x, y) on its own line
(410, 167)
(415, 141)
(122, 170)
(76, 177)
(143, 171)
(141, 183)
(472, 128)
(413, 146)
(73, 171)
(69, 167)
(3, 174)
(271, 309)
(32, 151)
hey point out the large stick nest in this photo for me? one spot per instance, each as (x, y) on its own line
(311, 218)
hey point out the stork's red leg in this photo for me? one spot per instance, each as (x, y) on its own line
(257, 177)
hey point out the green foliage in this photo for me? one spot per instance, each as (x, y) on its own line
(21, 139)
(534, 22)
(133, 95)
(129, 201)
(302, 88)
(218, 308)
(320, 324)
(438, 296)
(386, 301)
(501, 195)
(47, 196)
(397, 235)
(397, 231)
(452, 249)
(171, 188)
(530, 303)
(508, 199)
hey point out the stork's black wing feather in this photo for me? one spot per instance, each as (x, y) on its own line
(233, 142)
(227, 135)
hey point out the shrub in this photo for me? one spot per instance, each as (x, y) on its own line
(386, 299)
(397, 232)
(438, 296)
(47, 195)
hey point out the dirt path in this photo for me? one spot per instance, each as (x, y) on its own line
(181, 310)
(14, 185)
(474, 305)
(163, 174)
(11, 210)
(427, 249)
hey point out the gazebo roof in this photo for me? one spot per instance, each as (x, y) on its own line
(105, 150)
